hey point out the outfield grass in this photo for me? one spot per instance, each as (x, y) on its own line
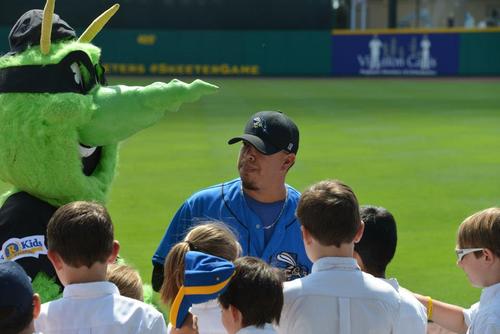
(426, 150)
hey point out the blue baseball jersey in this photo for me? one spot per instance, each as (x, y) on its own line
(225, 202)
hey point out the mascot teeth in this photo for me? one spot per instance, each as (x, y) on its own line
(86, 151)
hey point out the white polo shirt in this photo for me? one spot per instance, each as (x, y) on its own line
(485, 317)
(337, 297)
(413, 315)
(98, 308)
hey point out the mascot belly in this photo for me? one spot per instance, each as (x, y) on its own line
(60, 125)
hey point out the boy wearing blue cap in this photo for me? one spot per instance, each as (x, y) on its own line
(80, 246)
(253, 299)
(18, 305)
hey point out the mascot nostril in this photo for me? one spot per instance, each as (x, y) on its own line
(60, 125)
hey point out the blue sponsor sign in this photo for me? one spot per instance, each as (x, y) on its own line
(395, 54)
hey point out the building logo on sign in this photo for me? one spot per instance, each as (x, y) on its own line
(392, 57)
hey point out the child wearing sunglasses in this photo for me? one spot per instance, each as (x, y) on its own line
(478, 254)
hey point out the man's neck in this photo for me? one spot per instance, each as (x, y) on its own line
(267, 195)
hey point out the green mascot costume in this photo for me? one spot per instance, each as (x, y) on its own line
(60, 125)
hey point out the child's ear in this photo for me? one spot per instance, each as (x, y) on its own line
(489, 256)
(115, 251)
(359, 233)
(306, 236)
(236, 314)
(37, 305)
(55, 259)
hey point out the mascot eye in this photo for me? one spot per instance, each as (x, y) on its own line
(78, 75)
(86, 151)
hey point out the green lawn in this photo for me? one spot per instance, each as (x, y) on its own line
(426, 150)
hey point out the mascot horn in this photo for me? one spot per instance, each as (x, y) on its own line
(60, 126)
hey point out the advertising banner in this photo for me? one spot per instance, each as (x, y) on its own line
(405, 54)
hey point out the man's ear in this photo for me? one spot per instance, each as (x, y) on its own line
(114, 252)
(55, 259)
(288, 161)
(359, 232)
(37, 305)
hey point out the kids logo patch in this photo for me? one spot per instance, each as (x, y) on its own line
(15, 248)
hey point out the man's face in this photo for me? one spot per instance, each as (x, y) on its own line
(258, 170)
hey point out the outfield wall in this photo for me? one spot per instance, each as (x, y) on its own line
(410, 52)
(399, 52)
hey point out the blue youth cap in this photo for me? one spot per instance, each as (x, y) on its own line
(15, 291)
(205, 277)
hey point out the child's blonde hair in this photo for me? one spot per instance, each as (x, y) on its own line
(482, 229)
(127, 279)
(213, 238)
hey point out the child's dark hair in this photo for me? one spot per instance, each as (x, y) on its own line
(329, 211)
(81, 233)
(378, 244)
(256, 291)
(14, 322)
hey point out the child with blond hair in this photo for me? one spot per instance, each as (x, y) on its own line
(478, 254)
(126, 279)
(212, 238)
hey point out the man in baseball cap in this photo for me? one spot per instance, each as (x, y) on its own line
(18, 304)
(259, 206)
(270, 132)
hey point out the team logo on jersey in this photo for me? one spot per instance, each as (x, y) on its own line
(15, 248)
(288, 263)
(260, 123)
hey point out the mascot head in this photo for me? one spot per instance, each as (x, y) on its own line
(60, 124)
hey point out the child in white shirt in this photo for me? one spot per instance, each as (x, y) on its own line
(81, 244)
(478, 254)
(253, 299)
(337, 297)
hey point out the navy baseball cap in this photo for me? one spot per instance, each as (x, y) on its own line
(28, 28)
(15, 291)
(205, 277)
(270, 132)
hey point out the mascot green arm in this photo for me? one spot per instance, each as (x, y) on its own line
(121, 111)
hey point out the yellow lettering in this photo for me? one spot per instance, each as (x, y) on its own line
(234, 69)
(146, 39)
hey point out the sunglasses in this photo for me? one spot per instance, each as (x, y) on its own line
(464, 251)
